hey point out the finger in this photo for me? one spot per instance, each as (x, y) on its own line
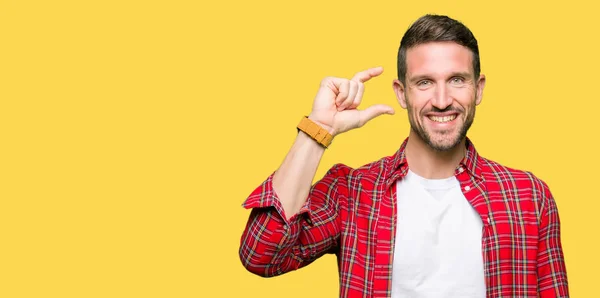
(351, 95)
(366, 75)
(373, 111)
(343, 87)
(358, 97)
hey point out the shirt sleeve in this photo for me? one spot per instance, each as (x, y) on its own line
(271, 245)
(552, 273)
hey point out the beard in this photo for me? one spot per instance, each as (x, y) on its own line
(441, 140)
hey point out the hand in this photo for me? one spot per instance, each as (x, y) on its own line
(335, 105)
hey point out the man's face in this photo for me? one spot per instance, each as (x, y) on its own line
(440, 92)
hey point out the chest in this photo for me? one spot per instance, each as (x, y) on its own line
(509, 234)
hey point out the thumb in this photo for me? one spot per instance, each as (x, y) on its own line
(373, 111)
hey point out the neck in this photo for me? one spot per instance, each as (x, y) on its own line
(429, 163)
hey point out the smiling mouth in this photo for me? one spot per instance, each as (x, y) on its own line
(442, 119)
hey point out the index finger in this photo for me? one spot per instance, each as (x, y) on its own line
(366, 75)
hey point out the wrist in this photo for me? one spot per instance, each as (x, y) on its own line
(323, 125)
(316, 131)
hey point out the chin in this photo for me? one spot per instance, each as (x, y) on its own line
(444, 143)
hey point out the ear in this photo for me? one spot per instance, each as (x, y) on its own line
(399, 90)
(480, 86)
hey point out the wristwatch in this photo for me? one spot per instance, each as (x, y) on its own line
(315, 131)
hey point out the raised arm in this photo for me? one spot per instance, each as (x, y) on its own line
(292, 223)
(334, 109)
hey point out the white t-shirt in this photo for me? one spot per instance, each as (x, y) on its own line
(438, 241)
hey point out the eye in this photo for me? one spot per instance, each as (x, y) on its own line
(457, 80)
(423, 83)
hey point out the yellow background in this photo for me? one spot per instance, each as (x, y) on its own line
(131, 131)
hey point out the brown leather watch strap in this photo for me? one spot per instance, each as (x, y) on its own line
(315, 131)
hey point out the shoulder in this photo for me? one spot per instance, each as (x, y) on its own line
(510, 184)
(377, 168)
(494, 171)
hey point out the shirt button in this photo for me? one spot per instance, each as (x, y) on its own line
(467, 188)
(461, 169)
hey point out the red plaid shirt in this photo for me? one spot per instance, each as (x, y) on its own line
(352, 213)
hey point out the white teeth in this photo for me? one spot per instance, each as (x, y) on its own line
(443, 118)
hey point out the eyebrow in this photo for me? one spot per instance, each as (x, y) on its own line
(427, 76)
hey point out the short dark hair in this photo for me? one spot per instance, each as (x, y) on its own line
(431, 28)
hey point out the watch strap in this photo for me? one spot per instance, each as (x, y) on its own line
(315, 131)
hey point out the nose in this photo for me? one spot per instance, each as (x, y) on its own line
(441, 98)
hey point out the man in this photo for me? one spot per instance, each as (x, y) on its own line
(433, 220)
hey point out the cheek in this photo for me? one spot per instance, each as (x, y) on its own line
(418, 99)
(464, 96)
(413, 110)
(423, 95)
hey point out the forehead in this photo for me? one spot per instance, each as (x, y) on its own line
(438, 58)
